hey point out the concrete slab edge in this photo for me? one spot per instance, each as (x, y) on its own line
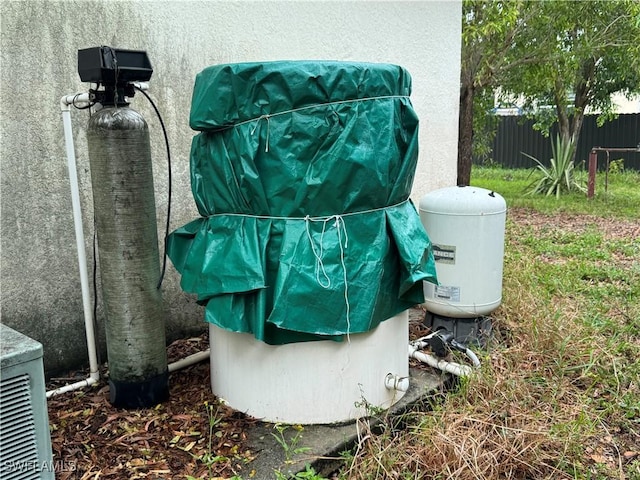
(320, 446)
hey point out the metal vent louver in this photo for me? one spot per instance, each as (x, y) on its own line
(18, 447)
(25, 441)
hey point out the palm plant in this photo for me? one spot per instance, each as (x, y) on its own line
(559, 176)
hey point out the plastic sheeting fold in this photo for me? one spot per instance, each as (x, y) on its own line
(302, 174)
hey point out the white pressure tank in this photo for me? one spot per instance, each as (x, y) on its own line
(466, 226)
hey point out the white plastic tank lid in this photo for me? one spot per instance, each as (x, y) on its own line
(463, 201)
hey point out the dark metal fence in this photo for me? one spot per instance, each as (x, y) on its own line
(516, 135)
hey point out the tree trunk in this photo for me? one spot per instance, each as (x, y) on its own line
(465, 135)
(576, 126)
(581, 101)
(569, 126)
(560, 97)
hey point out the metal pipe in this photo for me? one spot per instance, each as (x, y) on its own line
(617, 150)
(606, 173)
(593, 164)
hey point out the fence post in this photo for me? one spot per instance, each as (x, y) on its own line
(593, 165)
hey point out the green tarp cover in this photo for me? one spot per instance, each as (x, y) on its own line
(301, 173)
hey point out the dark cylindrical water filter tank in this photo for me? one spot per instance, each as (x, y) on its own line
(125, 215)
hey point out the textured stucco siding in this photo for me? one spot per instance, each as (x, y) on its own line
(40, 287)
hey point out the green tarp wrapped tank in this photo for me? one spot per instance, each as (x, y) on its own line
(301, 173)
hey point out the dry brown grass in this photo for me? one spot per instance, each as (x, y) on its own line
(543, 406)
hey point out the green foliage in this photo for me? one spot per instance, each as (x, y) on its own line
(488, 30)
(616, 166)
(620, 200)
(309, 473)
(586, 51)
(559, 176)
(485, 125)
(209, 457)
(289, 445)
(372, 410)
(558, 59)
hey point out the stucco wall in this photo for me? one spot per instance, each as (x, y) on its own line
(39, 278)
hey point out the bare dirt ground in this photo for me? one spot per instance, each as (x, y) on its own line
(611, 228)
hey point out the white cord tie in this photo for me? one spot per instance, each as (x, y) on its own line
(341, 229)
(253, 130)
(336, 221)
(314, 218)
(267, 117)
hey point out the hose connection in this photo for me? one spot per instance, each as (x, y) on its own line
(396, 382)
(442, 342)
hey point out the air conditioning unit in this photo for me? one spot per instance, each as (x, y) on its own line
(25, 441)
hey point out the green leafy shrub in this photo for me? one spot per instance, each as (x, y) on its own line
(616, 166)
(559, 177)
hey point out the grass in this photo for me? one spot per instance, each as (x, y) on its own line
(622, 198)
(558, 396)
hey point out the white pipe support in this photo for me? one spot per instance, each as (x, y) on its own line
(190, 360)
(77, 221)
(396, 382)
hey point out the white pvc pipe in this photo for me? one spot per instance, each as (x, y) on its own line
(396, 382)
(94, 373)
(172, 367)
(473, 357)
(190, 360)
(141, 85)
(450, 367)
(74, 386)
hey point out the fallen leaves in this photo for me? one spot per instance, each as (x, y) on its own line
(92, 440)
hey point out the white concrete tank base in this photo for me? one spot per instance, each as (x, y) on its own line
(310, 382)
(466, 226)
